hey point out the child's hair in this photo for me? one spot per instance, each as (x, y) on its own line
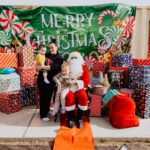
(41, 46)
(65, 65)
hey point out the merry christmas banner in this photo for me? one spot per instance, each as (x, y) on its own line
(98, 29)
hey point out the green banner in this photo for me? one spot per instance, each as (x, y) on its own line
(87, 29)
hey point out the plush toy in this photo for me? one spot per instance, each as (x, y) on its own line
(121, 110)
(7, 70)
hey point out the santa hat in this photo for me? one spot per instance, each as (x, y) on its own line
(76, 54)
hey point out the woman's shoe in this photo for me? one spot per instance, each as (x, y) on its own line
(46, 119)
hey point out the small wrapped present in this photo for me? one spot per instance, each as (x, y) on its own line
(99, 90)
(27, 76)
(116, 78)
(10, 102)
(95, 106)
(28, 95)
(127, 92)
(140, 62)
(8, 60)
(9, 82)
(126, 69)
(99, 66)
(121, 60)
(26, 56)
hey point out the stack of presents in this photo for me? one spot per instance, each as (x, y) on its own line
(17, 79)
(127, 75)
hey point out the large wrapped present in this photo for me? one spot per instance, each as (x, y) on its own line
(95, 106)
(121, 60)
(99, 66)
(138, 73)
(126, 69)
(141, 95)
(27, 76)
(116, 78)
(127, 92)
(140, 62)
(10, 102)
(9, 82)
(8, 60)
(26, 56)
(28, 96)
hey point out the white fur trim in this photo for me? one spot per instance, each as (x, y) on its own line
(76, 54)
(70, 108)
(83, 107)
(80, 84)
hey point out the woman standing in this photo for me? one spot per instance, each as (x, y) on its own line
(46, 90)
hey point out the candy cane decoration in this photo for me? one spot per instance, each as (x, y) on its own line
(10, 22)
(26, 29)
(106, 12)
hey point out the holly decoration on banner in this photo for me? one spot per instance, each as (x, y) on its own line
(26, 29)
(5, 38)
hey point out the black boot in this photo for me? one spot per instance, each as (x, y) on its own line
(71, 119)
(79, 121)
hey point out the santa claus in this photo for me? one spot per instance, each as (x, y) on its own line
(77, 90)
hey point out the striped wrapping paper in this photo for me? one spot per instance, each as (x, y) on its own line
(28, 95)
(121, 60)
(27, 76)
(140, 62)
(10, 102)
(138, 73)
(26, 56)
(8, 60)
(141, 96)
(9, 82)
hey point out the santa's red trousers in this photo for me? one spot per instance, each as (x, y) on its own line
(80, 96)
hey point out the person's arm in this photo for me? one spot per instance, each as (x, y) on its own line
(84, 81)
(39, 67)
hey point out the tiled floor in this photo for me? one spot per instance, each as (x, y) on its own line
(27, 123)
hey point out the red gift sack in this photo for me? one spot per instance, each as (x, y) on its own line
(95, 106)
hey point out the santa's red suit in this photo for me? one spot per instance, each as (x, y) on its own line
(79, 92)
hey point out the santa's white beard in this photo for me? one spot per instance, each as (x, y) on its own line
(76, 68)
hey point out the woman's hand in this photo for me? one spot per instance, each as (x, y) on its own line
(38, 68)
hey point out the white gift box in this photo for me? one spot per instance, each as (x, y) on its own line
(9, 82)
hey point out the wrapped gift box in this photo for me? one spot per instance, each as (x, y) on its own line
(141, 96)
(127, 92)
(10, 102)
(121, 60)
(26, 56)
(99, 66)
(95, 106)
(126, 69)
(27, 76)
(140, 62)
(116, 78)
(28, 96)
(99, 90)
(8, 60)
(138, 73)
(9, 82)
